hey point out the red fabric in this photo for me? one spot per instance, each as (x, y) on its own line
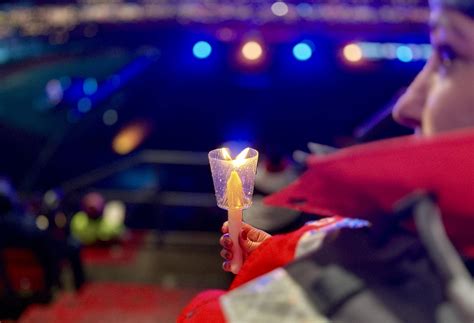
(365, 181)
(109, 255)
(203, 308)
(36, 314)
(117, 253)
(275, 252)
(111, 302)
(23, 270)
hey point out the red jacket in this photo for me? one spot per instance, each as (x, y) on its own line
(363, 182)
(275, 252)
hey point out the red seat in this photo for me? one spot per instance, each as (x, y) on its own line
(24, 272)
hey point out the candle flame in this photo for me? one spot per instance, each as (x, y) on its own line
(239, 160)
(226, 154)
(234, 195)
(243, 154)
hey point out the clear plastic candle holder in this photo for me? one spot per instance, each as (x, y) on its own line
(222, 165)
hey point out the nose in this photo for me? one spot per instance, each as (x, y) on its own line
(409, 108)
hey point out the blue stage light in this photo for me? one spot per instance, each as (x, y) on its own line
(90, 86)
(202, 49)
(84, 105)
(304, 9)
(371, 50)
(404, 54)
(302, 51)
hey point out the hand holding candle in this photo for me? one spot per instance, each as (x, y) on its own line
(233, 183)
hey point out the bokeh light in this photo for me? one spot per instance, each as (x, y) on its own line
(42, 222)
(279, 8)
(404, 54)
(79, 221)
(130, 137)
(417, 51)
(388, 50)
(302, 51)
(90, 86)
(427, 51)
(304, 9)
(60, 220)
(112, 224)
(370, 50)
(54, 91)
(52, 199)
(352, 53)
(93, 204)
(252, 51)
(202, 49)
(110, 117)
(84, 105)
(225, 34)
(82, 228)
(114, 213)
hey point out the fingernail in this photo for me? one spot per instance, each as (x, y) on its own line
(226, 265)
(227, 240)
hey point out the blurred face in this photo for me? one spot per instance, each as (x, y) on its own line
(441, 98)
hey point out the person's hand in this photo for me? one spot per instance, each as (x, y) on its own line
(250, 238)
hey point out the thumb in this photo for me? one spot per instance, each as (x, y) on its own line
(247, 244)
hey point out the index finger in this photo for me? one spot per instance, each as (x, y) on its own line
(225, 227)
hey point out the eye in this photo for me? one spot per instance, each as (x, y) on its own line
(447, 56)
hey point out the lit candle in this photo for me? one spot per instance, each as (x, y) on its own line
(233, 183)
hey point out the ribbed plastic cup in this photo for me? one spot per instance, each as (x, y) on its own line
(245, 164)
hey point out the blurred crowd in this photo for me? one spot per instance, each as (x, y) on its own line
(42, 236)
